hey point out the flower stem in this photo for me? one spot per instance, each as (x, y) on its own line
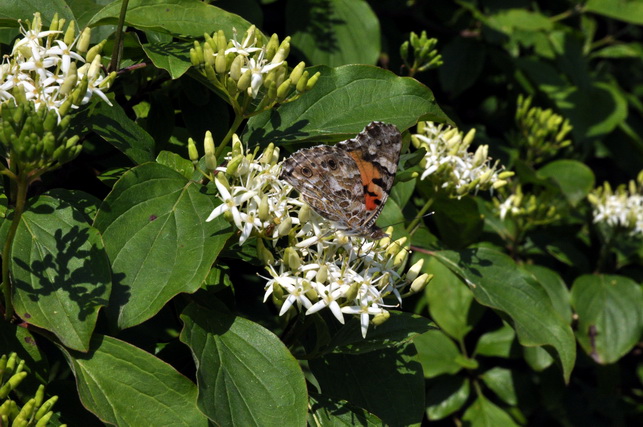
(420, 215)
(238, 118)
(118, 42)
(21, 199)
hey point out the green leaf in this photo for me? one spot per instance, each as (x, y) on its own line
(153, 224)
(555, 288)
(124, 385)
(60, 270)
(625, 10)
(483, 413)
(344, 100)
(191, 18)
(449, 300)
(334, 33)
(508, 20)
(574, 178)
(387, 383)
(84, 202)
(176, 162)
(445, 395)
(11, 11)
(325, 411)
(246, 376)
(610, 315)
(14, 338)
(458, 221)
(400, 328)
(463, 62)
(537, 358)
(497, 282)
(112, 124)
(501, 382)
(498, 343)
(173, 57)
(437, 354)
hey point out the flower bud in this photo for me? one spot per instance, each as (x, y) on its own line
(95, 50)
(283, 90)
(420, 282)
(266, 156)
(208, 148)
(404, 51)
(83, 40)
(244, 81)
(400, 259)
(45, 407)
(237, 145)
(220, 64)
(291, 258)
(70, 81)
(70, 34)
(297, 72)
(380, 318)
(272, 47)
(304, 214)
(264, 209)
(235, 68)
(301, 84)
(415, 270)
(285, 227)
(233, 164)
(322, 274)
(54, 23)
(264, 255)
(193, 153)
(312, 81)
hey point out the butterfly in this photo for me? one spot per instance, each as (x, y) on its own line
(348, 183)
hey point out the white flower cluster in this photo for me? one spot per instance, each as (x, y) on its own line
(450, 166)
(311, 265)
(44, 66)
(621, 208)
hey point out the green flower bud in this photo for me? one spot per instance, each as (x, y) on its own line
(11, 384)
(235, 68)
(420, 282)
(322, 274)
(42, 422)
(283, 90)
(415, 41)
(378, 319)
(264, 209)
(244, 81)
(312, 81)
(285, 227)
(220, 63)
(208, 147)
(272, 47)
(95, 50)
(70, 34)
(297, 72)
(301, 84)
(210, 74)
(83, 40)
(208, 55)
(264, 255)
(404, 51)
(266, 156)
(210, 42)
(291, 258)
(233, 164)
(193, 153)
(222, 41)
(70, 81)
(78, 93)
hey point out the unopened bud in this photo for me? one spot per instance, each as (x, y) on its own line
(234, 164)
(220, 64)
(304, 214)
(415, 270)
(208, 148)
(264, 209)
(54, 23)
(297, 72)
(193, 153)
(83, 40)
(420, 282)
(322, 274)
(301, 84)
(272, 46)
(312, 81)
(70, 34)
(266, 156)
(380, 318)
(285, 227)
(264, 255)
(292, 258)
(244, 81)
(283, 89)
(235, 68)
(70, 81)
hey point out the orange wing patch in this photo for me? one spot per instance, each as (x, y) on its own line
(370, 176)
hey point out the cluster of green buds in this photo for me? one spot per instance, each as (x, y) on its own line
(36, 412)
(251, 75)
(35, 141)
(621, 207)
(449, 165)
(424, 55)
(41, 82)
(541, 134)
(532, 210)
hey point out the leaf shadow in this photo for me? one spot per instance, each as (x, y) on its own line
(293, 132)
(71, 269)
(319, 20)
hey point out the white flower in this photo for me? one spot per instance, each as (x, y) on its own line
(258, 67)
(246, 47)
(364, 310)
(230, 203)
(66, 54)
